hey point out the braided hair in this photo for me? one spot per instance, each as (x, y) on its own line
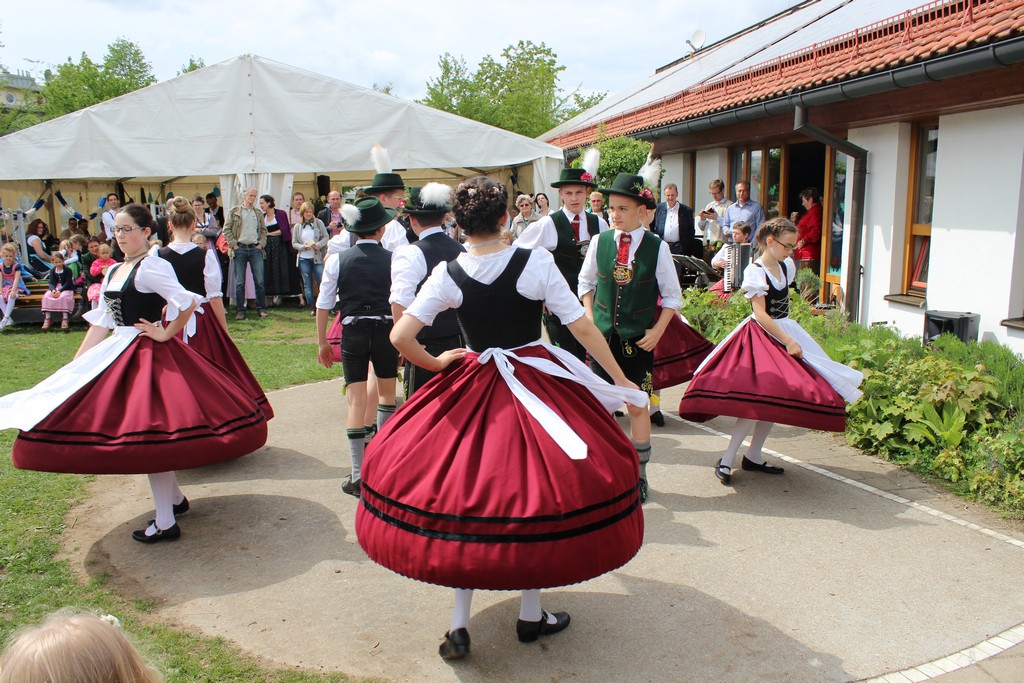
(480, 206)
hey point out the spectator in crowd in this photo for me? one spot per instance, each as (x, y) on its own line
(744, 209)
(295, 211)
(38, 252)
(216, 212)
(543, 208)
(526, 216)
(710, 223)
(597, 205)
(309, 239)
(110, 210)
(246, 235)
(673, 222)
(330, 215)
(808, 246)
(278, 250)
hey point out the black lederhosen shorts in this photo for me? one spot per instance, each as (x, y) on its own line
(637, 365)
(365, 340)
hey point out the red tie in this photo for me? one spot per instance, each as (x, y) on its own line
(623, 256)
(576, 227)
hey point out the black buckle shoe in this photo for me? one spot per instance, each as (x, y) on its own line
(352, 488)
(181, 508)
(170, 534)
(455, 645)
(723, 472)
(763, 467)
(528, 631)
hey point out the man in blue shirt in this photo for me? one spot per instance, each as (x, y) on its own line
(743, 209)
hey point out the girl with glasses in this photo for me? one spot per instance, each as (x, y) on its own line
(165, 407)
(769, 369)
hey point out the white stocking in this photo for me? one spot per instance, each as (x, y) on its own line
(463, 603)
(163, 485)
(739, 432)
(529, 605)
(761, 430)
(9, 305)
(178, 497)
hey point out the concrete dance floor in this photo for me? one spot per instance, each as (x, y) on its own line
(843, 569)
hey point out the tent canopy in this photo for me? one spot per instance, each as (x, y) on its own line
(250, 115)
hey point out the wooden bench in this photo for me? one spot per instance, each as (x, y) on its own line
(38, 290)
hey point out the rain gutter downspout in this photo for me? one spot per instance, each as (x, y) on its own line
(855, 268)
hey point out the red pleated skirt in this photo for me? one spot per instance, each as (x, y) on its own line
(158, 407)
(463, 488)
(752, 376)
(678, 354)
(213, 342)
(334, 338)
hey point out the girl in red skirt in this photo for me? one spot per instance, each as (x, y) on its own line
(198, 271)
(769, 369)
(525, 482)
(164, 406)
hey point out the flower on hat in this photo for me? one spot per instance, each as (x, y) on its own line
(646, 193)
(586, 177)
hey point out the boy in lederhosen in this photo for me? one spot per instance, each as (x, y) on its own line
(426, 207)
(624, 272)
(359, 279)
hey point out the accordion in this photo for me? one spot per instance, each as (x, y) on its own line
(738, 258)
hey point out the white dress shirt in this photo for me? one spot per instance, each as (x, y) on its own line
(329, 285)
(408, 268)
(544, 234)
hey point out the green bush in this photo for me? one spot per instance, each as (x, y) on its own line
(949, 410)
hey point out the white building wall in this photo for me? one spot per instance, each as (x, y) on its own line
(978, 221)
(676, 167)
(885, 221)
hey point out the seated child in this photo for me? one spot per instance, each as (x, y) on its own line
(97, 271)
(10, 278)
(61, 297)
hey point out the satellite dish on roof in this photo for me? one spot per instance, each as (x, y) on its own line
(697, 40)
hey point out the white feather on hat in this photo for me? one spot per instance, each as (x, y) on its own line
(350, 214)
(435, 194)
(651, 173)
(381, 160)
(591, 160)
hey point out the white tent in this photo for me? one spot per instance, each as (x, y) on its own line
(252, 121)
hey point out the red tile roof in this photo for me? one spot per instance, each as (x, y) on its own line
(929, 31)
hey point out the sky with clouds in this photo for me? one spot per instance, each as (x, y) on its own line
(605, 46)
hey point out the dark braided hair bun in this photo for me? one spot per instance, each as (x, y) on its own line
(480, 206)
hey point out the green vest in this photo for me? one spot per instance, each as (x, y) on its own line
(568, 252)
(626, 310)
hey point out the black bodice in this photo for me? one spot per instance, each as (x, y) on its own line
(497, 315)
(188, 268)
(776, 301)
(129, 305)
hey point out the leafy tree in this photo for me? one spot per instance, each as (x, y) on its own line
(517, 91)
(193, 65)
(74, 86)
(621, 154)
(387, 89)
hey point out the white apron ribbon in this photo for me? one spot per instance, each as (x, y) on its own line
(576, 371)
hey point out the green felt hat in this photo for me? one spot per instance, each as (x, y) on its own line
(371, 216)
(432, 198)
(574, 176)
(633, 186)
(385, 181)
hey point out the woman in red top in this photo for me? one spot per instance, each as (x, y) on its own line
(808, 246)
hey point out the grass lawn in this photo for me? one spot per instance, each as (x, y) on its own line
(281, 350)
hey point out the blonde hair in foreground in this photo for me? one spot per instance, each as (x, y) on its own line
(79, 648)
